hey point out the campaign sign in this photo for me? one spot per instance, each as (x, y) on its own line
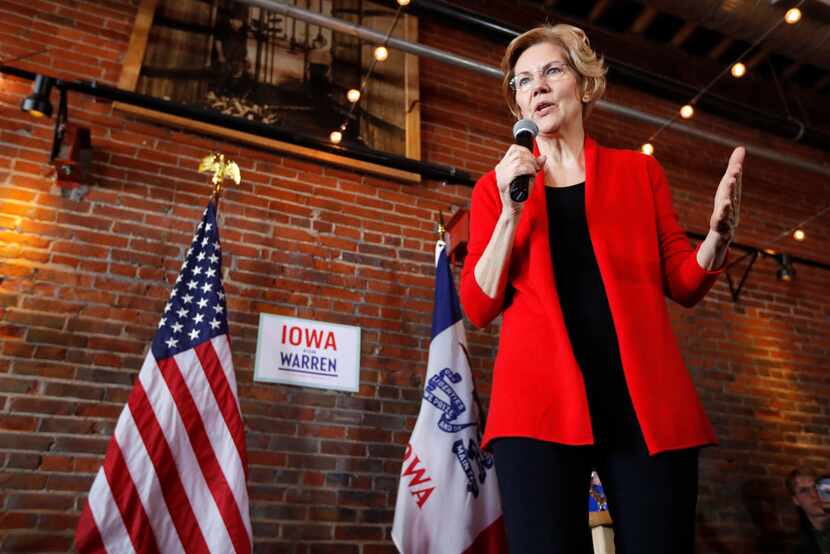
(307, 353)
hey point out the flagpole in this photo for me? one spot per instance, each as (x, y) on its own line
(440, 244)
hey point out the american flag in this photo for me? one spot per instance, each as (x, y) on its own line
(174, 476)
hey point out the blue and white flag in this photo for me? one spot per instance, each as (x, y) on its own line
(448, 497)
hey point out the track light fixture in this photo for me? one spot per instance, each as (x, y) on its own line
(71, 151)
(786, 271)
(37, 104)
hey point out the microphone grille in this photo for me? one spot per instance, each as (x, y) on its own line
(525, 126)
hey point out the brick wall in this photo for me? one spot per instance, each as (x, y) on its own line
(84, 283)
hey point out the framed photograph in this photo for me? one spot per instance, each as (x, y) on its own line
(261, 66)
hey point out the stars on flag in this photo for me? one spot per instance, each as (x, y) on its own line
(198, 292)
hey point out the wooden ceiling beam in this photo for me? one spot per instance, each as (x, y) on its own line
(821, 83)
(720, 48)
(644, 20)
(791, 70)
(756, 59)
(683, 34)
(598, 9)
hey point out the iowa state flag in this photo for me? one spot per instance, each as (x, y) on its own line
(448, 497)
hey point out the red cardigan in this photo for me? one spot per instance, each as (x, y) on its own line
(642, 254)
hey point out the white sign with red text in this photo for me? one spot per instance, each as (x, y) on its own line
(307, 353)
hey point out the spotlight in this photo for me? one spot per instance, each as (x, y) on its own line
(687, 111)
(353, 95)
(792, 16)
(403, 2)
(786, 271)
(798, 234)
(381, 53)
(37, 104)
(738, 70)
(336, 137)
(647, 149)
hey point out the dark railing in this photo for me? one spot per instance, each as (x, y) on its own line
(425, 169)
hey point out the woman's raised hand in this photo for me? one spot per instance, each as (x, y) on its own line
(726, 214)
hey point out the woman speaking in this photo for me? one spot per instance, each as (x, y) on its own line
(588, 373)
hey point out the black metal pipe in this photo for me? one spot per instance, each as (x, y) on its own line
(427, 170)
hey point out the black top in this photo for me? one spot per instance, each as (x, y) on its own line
(588, 318)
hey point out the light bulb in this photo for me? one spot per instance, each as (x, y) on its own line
(687, 111)
(798, 234)
(738, 70)
(336, 137)
(403, 2)
(647, 149)
(353, 95)
(381, 53)
(792, 16)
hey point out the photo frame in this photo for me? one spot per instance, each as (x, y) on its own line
(246, 62)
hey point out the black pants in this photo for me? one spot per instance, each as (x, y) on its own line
(544, 492)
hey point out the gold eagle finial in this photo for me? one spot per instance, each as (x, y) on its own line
(222, 169)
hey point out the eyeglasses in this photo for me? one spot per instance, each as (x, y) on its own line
(808, 490)
(526, 81)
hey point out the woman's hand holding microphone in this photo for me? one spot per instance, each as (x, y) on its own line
(517, 161)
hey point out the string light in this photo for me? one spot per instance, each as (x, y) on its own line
(738, 70)
(381, 53)
(798, 234)
(354, 95)
(792, 16)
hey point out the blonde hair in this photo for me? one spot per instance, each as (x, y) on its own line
(589, 67)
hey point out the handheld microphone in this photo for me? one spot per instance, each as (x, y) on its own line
(524, 131)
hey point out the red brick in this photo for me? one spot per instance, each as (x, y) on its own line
(311, 240)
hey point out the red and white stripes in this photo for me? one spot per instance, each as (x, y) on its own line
(174, 477)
